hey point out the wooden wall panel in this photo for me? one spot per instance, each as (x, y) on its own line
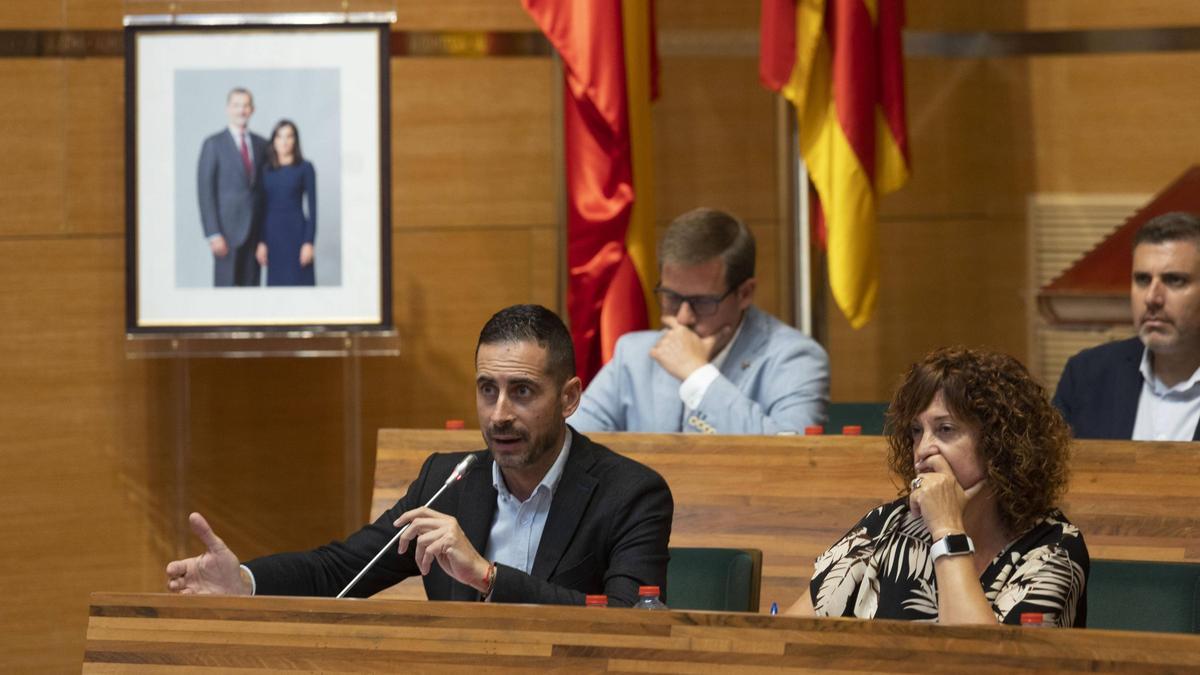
(951, 242)
(72, 469)
(95, 146)
(1102, 14)
(714, 139)
(448, 282)
(955, 15)
(472, 142)
(103, 14)
(944, 282)
(465, 15)
(266, 456)
(1114, 123)
(32, 115)
(31, 14)
(969, 137)
(719, 15)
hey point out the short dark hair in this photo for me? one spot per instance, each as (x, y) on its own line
(272, 156)
(533, 323)
(1173, 226)
(1023, 439)
(239, 90)
(702, 234)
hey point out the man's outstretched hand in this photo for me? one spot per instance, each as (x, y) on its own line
(216, 571)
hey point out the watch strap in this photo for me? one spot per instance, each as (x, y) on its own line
(952, 544)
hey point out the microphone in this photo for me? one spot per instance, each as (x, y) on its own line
(455, 475)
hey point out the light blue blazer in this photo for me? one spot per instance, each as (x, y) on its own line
(774, 379)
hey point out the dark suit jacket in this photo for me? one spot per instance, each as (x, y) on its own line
(1099, 391)
(230, 201)
(607, 532)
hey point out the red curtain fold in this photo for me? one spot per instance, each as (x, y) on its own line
(604, 295)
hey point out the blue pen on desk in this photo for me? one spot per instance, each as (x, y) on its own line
(774, 608)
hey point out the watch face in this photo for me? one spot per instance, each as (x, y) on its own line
(958, 544)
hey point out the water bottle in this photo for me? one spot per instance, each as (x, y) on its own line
(648, 598)
(595, 601)
(1037, 620)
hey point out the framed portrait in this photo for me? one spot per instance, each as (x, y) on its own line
(257, 178)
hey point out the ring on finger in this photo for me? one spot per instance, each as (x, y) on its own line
(916, 482)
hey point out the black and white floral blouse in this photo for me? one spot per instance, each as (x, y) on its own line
(881, 569)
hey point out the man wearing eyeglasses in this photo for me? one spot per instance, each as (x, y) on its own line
(719, 365)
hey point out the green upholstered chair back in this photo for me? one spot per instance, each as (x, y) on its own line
(1143, 595)
(869, 416)
(719, 579)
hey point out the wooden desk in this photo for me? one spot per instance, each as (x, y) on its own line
(152, 631)
(793, 496)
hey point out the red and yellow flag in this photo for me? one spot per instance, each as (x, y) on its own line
(607, 49)
(840, 62)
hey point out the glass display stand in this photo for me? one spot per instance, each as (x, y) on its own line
(349, 346)
(232, 12)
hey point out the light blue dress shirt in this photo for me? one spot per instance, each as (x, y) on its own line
(517, 526)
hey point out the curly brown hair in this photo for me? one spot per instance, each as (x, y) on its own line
(1021, 437)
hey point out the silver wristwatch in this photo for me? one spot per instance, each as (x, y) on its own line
(952, 544)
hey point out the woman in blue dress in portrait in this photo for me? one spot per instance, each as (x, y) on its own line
(290, 185)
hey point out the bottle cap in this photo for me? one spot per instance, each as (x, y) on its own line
(647, 590)
(1032, 617)
(456, 424)
(852, 430)
(596, 600)
(814, 430)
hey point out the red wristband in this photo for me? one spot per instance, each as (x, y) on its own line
(489, 580)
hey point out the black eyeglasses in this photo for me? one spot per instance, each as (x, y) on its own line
(702, 305)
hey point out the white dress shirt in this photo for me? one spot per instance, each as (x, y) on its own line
(695, 386)
(1166, 413)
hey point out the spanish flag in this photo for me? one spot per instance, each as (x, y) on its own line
(607, 50)
(840, 62)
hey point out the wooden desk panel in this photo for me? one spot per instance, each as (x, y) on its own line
(154, 631)
(793, 496)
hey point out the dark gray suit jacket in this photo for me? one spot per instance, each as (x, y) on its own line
(230, 201)
(607, 532)
(1099, 390)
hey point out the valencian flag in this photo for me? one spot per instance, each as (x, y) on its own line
(607, 50)
(840, 62)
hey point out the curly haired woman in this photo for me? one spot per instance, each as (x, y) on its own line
(976, 536)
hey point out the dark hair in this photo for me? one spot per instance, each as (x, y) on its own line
(533, 323)
(702, 234)
(1023, 439)
(297, 156)
(239, 90)
(1173, 226)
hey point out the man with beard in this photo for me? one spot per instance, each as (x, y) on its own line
(543, 516)
(1146, 388)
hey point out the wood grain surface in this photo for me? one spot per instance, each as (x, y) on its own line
(793, 496)
(130, 632)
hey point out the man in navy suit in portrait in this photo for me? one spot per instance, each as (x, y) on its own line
(720, 365)
(1146, 388)
(229, 177)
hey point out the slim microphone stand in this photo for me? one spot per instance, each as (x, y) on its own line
(455, 476)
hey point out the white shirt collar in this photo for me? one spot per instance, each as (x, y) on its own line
(1156, 385)
(548, 483)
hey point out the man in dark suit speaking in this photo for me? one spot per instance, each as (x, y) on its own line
(543, 516)
(228, 179)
